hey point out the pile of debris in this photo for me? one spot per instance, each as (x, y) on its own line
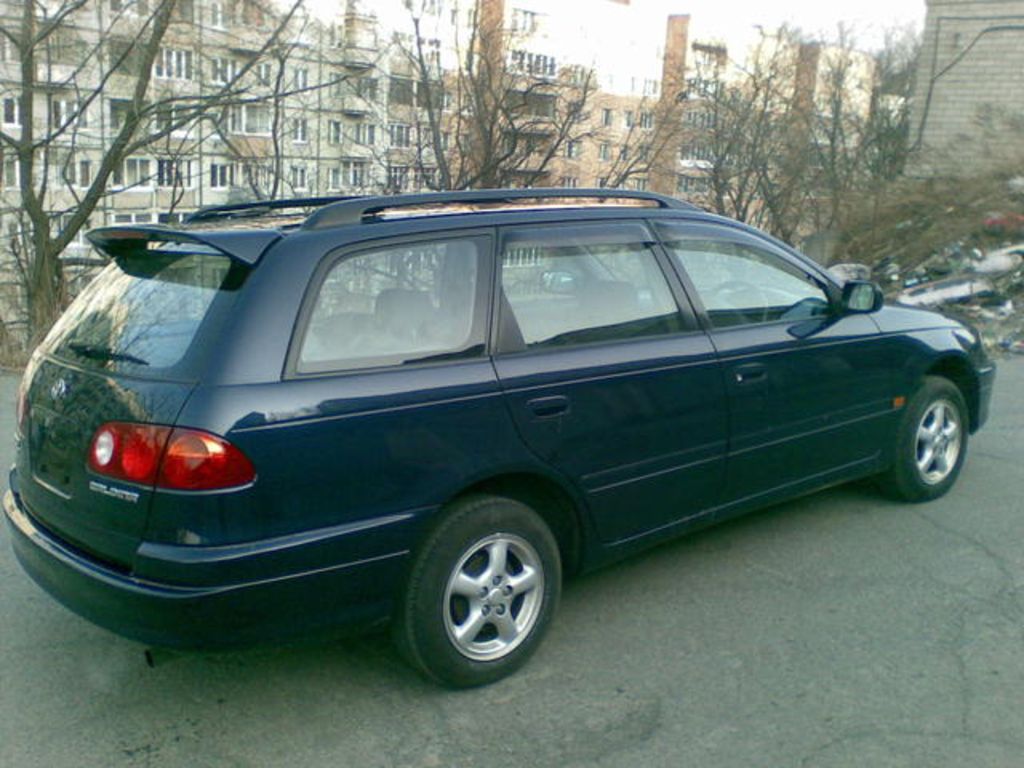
(983, 287)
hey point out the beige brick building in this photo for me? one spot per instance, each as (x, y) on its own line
(969, 100)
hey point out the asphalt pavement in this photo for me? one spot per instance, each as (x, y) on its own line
(841, 629)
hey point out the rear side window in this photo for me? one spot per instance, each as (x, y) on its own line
(144, 312)
(584, 284)
(412, 303)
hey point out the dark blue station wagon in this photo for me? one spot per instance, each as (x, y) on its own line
(289, 416)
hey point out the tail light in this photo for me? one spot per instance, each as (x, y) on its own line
(166, 457)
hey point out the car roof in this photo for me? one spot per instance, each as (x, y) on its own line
(246, 231)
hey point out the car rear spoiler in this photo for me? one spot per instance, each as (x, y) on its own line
(242, 246)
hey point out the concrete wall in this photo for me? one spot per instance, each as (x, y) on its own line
(970, 85)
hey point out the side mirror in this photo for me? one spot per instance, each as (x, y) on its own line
(861, 296)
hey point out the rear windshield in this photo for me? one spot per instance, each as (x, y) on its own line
(143, 313)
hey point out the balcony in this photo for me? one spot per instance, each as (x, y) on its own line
(353, 105)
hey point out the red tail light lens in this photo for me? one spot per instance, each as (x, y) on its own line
(199, 461)
(178, 459)
(128, 451)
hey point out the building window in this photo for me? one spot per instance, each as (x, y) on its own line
(426, 177)
(432, 52)
(78, 173)
(217, 18)
(12, 112)
(222, 175)
(700, 119)
(298, 176)
(400, 135)
(251, 119)
(398, 177)
(538, 64)
(174, 174)
(354, 173)
(691, 184)
(265, 72)
(67, 112)
(133, 218)
(524, 21)
(301, 78)
(365, 134)
(173, 64)
(334, 131)
(602, 182)
(570, 182)
(604, 151)
(401, 91)
(258, 175)
(366, 87)
(651, 87)
(696, 153)
(170, 119)
(647, 120)
(573, 148)
(10, 172)
(607, 118)
(133, 172)
(119, 111)
(629, 118)
(300, 130)
(222, 69)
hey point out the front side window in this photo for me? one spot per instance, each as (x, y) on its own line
(741, 283)
(405, 304)
(583, 284)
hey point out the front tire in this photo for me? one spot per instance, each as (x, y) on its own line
(481, 592)
(931, 443)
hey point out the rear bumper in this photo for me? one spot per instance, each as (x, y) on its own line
(350, 594)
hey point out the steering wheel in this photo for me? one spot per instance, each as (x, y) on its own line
(731, 290)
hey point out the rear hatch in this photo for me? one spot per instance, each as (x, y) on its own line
(130, 348)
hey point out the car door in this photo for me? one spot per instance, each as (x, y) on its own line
(807, 385)
(607, 379)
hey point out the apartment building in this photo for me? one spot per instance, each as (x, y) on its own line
(333, 103)
(332, 113)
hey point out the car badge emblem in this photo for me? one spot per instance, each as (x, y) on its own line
(59, 389)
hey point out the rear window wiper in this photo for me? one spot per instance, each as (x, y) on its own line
(94, 352)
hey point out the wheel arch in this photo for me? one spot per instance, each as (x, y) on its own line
(556, 505)
(958, 370)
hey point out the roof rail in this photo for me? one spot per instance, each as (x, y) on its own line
(359, 209)
(258, 208)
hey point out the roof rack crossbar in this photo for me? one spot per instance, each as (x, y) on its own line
(356, 210)
(259, 207)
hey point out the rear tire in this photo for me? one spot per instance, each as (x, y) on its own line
(480, 594)
(931, 443)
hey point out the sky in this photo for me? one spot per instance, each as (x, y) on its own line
(723, 18)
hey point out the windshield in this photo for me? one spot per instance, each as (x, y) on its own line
(143, 313)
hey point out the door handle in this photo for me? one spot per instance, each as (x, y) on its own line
(751, 373)
(547, 407)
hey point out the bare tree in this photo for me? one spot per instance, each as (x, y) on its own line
(69, 54)
(499, 118)
(749, 131)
